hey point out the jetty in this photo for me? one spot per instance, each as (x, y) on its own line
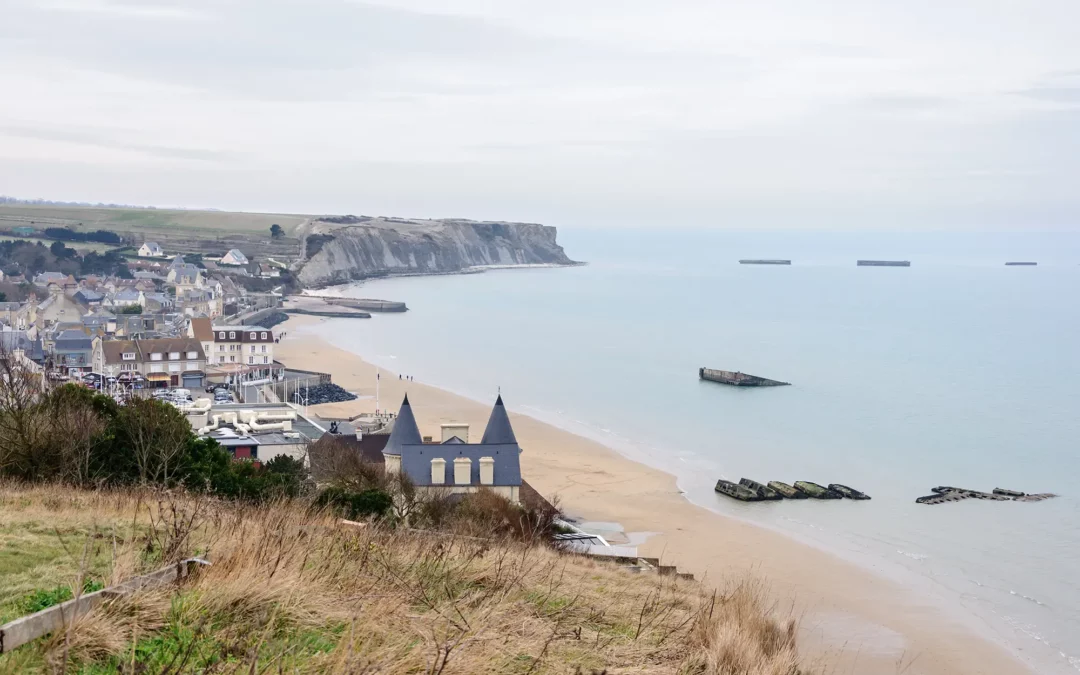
(944, 494)
(765, 262)
(816, 491)
(1021, 264)
(369, 304)
(762, 491)
(736, 379)
(736, 491)
(883, 263)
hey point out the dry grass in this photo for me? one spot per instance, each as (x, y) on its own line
(294, 591)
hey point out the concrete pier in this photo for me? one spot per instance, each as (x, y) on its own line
(883, 263)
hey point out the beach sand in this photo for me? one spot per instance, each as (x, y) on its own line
(851, 620)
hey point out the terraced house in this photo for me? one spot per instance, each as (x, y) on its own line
(173, 362)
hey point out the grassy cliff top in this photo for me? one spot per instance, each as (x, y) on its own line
(144, 220)
(296, 591)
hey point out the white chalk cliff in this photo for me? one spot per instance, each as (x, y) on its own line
(359, 247)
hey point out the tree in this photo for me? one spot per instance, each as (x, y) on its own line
(132, 309)
(157, 436)
(276, 232)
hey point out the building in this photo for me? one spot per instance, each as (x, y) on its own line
(247, 350)
(454, 465)
(234, 257)
(150, 249)
(185, 275)
(58, 307)
(125, 297)
(74, 352)
(168, 362)
(202, 330)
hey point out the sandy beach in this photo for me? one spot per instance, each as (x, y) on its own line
(852, 620)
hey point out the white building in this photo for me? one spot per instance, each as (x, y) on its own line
(234, 257)
(150, 249)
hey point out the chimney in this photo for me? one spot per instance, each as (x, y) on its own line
(438, 471)
(455, 429)
(487, 470)
(462, 471)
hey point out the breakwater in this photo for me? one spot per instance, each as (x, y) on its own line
(738, 379)
(883, 263)
(765, 262)
(336, 315)
(368, 304)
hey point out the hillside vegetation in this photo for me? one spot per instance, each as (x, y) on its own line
(292, 589)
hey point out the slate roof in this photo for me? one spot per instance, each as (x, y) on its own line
(498, 443)
(416, 462)
(405, 431)
(73, 341)
(498, 427)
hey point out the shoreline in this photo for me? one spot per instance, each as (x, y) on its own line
(853, 619)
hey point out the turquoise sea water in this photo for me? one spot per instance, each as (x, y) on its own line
(956, 371)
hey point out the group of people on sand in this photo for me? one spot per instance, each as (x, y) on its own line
(407, 378)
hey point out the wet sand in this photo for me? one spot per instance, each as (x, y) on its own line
(851, 619)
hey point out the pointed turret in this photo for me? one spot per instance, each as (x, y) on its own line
(405, 431)
(498, 429)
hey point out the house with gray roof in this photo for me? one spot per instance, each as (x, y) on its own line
(75, 350)
(455, 465)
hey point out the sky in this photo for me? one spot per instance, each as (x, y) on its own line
(612, 113)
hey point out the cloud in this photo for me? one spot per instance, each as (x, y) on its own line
(613, 108)
(109, 141)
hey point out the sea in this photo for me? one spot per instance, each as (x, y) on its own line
(958, 370)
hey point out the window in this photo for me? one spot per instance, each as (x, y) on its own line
(232, 359)
(264, 349)
(252, 349)
(232, 335)
(221, 336)
(266, 359)
(252, 336)
(174, 356)
(174, 367)
(221, 348)
(193, 355)
(129, 356)
(156, 368)
(155, 356)
(264, 336)
(251, 359)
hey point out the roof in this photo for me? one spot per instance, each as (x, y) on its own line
(405, 431)
(152, 244)
(115, 349)
(126, 294)
(202, 329)
(166, 345)
(73, 340)
(416, 461)
(498, 427)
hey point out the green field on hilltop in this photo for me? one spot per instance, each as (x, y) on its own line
(84, 218)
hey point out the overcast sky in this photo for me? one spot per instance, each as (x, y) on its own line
(775, 113)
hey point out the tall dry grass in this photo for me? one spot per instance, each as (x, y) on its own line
(292, 590)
